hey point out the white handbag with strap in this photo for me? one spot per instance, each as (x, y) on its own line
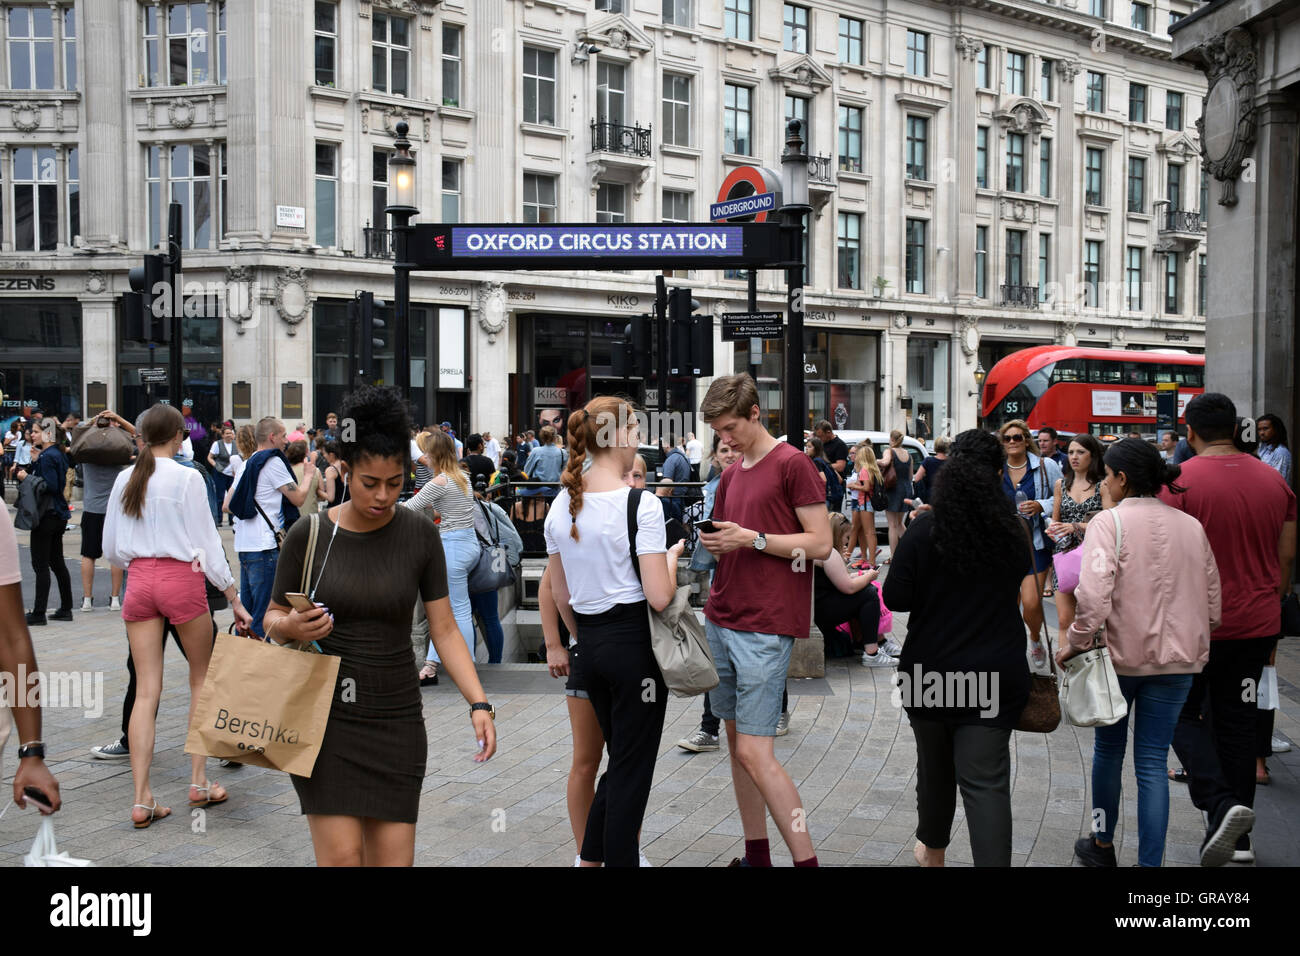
(1090, 692)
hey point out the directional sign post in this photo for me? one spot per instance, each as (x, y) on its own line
(738, 326)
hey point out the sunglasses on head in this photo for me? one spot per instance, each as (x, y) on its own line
(1008, 439)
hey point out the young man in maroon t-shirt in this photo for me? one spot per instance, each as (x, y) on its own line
(1249, 515)
(772, 523)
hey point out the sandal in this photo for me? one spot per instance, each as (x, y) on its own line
(1048, 592)
(1263, 778)
(1179, 776)
(428, 674)
(208, 800)
(154, 814)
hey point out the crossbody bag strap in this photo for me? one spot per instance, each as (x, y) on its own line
(633, 504)
(274, 530)
(309, 560)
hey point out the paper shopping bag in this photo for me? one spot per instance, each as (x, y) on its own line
(263, 705)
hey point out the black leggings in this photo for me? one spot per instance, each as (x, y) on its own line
(630, 697)
(832, 610)
(47, 555)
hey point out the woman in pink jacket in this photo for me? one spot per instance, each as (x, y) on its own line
(1157, 593)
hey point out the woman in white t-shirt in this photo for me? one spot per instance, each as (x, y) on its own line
(602, 599)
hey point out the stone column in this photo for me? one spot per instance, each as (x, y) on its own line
(105, 115)
(490, 360)
(98, 336)
(1069, 252)
(247, 23)
(285, 151)
(965, 115)
(495, 127)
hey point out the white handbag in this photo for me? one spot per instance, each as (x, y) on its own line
(1090, 692)
(46, 853)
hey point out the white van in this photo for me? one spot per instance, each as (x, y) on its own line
(879, 443)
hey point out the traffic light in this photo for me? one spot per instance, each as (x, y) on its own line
(148, 306)
(631, 358)
(691, 336)
(374, 333)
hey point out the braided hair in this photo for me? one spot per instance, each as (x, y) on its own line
(599, 424)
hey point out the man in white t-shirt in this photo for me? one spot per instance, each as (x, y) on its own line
(492, 448)
(255, 536)
(694, 454)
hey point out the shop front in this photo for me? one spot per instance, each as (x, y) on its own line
(927, 405)
(40, 356)
(201, 375)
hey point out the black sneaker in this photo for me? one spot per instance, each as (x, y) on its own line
(36, 620)
(1089, 854)
(62, 614)
(1221, 841)
(738, 861)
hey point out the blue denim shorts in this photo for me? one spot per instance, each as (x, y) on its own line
(752, 669)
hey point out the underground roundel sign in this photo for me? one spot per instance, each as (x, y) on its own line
(749, 194)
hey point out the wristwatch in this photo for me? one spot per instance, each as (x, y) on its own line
(760, 541)
(484, 705)
(34, 749)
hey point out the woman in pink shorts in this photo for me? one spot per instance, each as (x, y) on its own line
(159, 526)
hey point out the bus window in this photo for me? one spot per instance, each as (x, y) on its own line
(1105, 372)
(1193, 376)
(1136, 374)
(1070, 370)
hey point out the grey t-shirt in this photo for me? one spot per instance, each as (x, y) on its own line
(98, 481)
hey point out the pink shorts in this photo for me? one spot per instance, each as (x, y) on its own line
(163, 587)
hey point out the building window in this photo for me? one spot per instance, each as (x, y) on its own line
(981, 261)
(539, 86)
(451, 59)
(678, 13)
(795, 28)
(1137, 103)
(677, 110)
(1016, 162)
(1097, 8)
(611, 93)
(915, 261)
(1172, 282)
(1045, 167)
(1015, 257)
(451, 169)
(609, 6)
(379, 189)
(32, 52)
(1091, 272)
(850, 41)
(35, 198)
(1175, 192)
(918, 53)
(796, 107)
(177, 49)
(848, 245)
(74, 195)
(738, 19)
(1137, 184)
(326, 43)
(736, 115)
(850, 138)
(390, 54)
(982, 157)
(1096, 86)
(190, 183)
(1093, 176)
(1173, 110)
(1142, 17)
(1046, 84)
(1201, 276)
(611, 203)
(918, 135)
(1175, 16)
(1015, 73)
(1205, 195)
(1133, 279)
(677, 206)
(539, 198)
(982, 68)
(1044, 264)
(327, 194)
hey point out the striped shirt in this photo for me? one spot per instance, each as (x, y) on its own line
(455, 506)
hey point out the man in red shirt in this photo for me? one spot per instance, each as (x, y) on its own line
(772, 523)
(1249, 515)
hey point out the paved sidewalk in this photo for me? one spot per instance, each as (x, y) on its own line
(849, 750)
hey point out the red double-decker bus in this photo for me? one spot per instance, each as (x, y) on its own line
(1102, 391)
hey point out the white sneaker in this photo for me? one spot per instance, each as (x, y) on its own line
(1280, 745)
(86, 604)
(881, 658)
(892, 647)
(577, 860)
(115, 604)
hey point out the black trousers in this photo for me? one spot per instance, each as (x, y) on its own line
(832, 610)
(1264, 725)
(630, 697)
(128, 702)
(47, 555)
(978, 760)
(1216, 734)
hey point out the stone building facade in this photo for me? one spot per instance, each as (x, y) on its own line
(986, 175)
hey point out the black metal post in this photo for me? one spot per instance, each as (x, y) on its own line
(148, 386)
(661, 328)
(794, 162)
(752, 306)
(175, 292)
(402, 302)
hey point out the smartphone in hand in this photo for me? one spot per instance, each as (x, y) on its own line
(705, 526)
(299, 601)
(37, 798)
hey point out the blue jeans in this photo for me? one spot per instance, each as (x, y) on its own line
(485, 606)
(256, 581)
(1154, 703)
(460, 549)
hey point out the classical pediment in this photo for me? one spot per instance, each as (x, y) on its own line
(1181, 146)
(619, 34)
(1023, 115)
(801, 71)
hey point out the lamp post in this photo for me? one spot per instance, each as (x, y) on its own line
(980, 375)
(794, 188)
(401, 190)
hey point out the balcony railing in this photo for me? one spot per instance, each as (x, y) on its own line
(1180, 220)
(1024, 296)
(378, 242)
(615, 138)
(820, 170)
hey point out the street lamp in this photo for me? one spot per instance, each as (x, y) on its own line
(980, 375)
(794, 188)
(401, 190)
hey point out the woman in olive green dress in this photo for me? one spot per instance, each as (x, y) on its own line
(372, 559)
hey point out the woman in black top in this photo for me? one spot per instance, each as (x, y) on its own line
(963, 677)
